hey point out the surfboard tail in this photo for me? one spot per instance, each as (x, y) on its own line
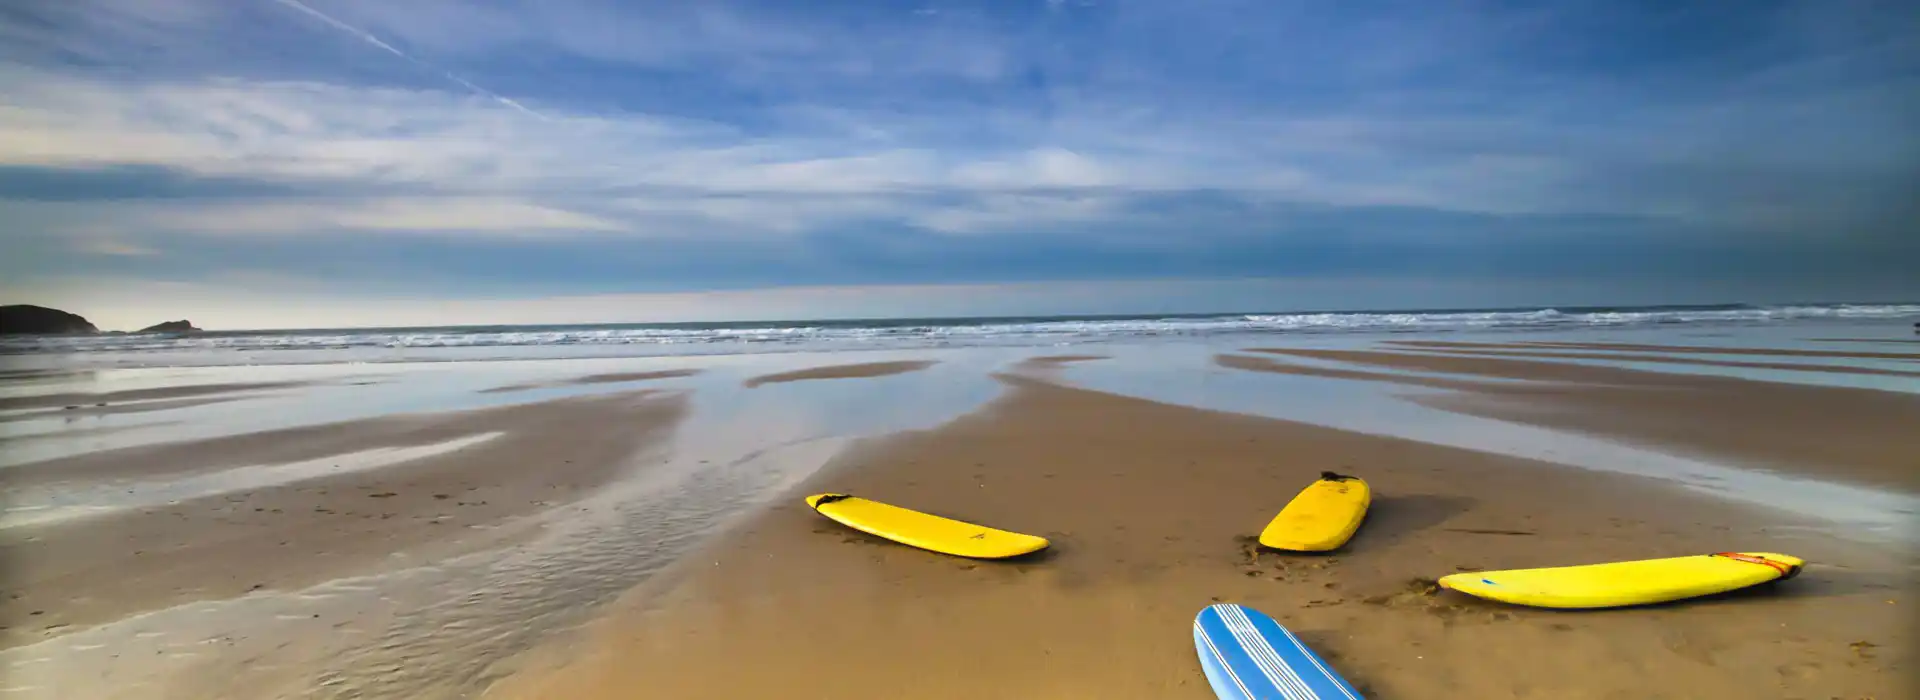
(1787, 569)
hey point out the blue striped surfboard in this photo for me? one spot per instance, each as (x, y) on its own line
(1248, 656)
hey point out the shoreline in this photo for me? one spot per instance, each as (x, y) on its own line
(323, 523)
(1104, 611)
(1860, 435)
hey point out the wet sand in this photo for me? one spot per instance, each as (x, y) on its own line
(1263, 364)
(1051, 365)
(515, 461)
(180, 459)
(1052, 360)
(25, 375)
(850, 371)
(1553, 353)
(108, 398)
(82, 435)
(1865, 340)
(115, 409)
(1152, 509)
(609, 378)
(1859, 435)
(1670, 349)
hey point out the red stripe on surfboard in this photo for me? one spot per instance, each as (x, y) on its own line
(1784, 569)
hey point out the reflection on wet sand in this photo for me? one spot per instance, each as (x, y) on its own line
(864, 369)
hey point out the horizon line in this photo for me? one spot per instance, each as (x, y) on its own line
(1564, 308)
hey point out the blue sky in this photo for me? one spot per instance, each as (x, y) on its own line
(314, 162)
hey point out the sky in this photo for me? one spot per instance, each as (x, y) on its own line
(275, 163)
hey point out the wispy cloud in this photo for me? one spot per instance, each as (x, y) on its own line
(113, 247)
(331, 137)
(979, 141)
(374, 41)
(419, 214)
(1029, 212)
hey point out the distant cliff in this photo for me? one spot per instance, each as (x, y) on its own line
(27, 319)
(180, 326)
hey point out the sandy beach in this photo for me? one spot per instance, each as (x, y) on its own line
(1854, 434)
(1152, 508)
(616, 528)
(332, 524)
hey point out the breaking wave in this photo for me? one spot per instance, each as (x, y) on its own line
(958, 331)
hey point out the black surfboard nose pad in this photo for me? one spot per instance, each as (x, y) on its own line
(829, 498)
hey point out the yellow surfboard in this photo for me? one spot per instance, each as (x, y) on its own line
(1322, 517)
(1628, 582)
(931, 532)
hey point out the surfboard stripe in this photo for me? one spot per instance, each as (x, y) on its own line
(1221, 660)
(1292, 672)
(1338, 683)
(1215, 640)
(1251, 644)
(1242, 666)
(1326, 684)
(1256, 650)
(1263, 653)
(1247, 654)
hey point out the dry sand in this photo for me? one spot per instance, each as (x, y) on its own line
(1860, 435)
(612, 378)
(1152, 509)
(69, 574)
(863, 369)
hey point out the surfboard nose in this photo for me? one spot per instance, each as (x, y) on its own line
(821, 499)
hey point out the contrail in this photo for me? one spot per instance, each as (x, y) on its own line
(368, 37)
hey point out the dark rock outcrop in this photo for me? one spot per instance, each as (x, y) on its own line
(180, 326)
(27, 319)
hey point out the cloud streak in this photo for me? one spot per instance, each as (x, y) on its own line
(757, 143)
(375, 41)
(118, 248)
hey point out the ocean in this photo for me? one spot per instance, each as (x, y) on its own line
(648, 339)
